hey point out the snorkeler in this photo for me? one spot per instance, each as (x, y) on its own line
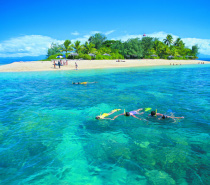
(131, 113)
(84, 83)
(104, 115)
(163, 116)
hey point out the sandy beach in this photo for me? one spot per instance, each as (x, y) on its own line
(91, 64)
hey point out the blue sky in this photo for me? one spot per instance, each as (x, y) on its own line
(30, 26)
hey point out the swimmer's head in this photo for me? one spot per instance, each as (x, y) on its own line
(127, 114)
(73, 82)
(97, 117)
(153, 113)
(164, 117)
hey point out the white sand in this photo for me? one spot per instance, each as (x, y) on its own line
(91, 64)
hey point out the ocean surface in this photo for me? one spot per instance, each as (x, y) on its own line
(49, 134)
(9, 60)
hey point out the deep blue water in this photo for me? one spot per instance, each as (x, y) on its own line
(48, 134)
(9, 60)
(204, 59)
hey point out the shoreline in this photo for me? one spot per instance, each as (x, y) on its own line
(92, 64)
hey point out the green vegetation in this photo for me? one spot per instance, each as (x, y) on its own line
(53, 50)
(77, 47)
(147, 47)
(97, 40)
(67, 46)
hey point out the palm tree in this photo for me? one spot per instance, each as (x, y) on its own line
(90, 47)
(168, 40)
(178, 42)
(67, 46)
(78, 48)
(195, 49)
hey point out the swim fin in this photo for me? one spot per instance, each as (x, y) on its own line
(147, 109)
(115, 110)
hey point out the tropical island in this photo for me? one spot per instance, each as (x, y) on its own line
(98, 53)
(99, 48)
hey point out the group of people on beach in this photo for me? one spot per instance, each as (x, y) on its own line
(60, 63)
(175, 64)
(63, 63)
(181, 64)
(136, 112)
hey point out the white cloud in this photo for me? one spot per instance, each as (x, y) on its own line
(81, 39)
(86, 37)
(161, 35)
(75, 33)
(94, 32)
(126, 37)
(31, 45)
(109, 32)
(28, 45)
(203, 44)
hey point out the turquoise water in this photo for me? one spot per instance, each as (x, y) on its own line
(48, 134)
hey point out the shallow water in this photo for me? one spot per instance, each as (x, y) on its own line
(48, 134)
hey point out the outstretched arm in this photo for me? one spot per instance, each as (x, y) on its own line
(139, 109)
(176, 117)
(117, 116)
(135, 117)
(158, 114)
(112, 112)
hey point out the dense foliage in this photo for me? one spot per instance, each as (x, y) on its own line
(98, 47)
(53, 50)
(97, 40)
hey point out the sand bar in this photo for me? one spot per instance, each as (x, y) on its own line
(91, 64)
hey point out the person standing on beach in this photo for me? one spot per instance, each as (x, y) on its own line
(54, 63)
(76, 65)
(59, 64)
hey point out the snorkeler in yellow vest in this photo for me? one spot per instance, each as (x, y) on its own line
(105, 115)
(84, 83)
